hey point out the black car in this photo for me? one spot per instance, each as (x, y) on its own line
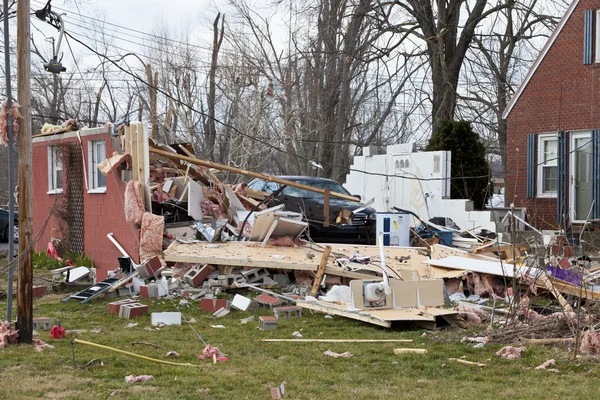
(4, 225)
(311, 204)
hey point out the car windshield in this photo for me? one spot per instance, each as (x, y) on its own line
(305, 194)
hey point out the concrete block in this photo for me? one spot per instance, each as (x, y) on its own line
(288, 312)
(269, 282)
(167, 273)
(282, 279)
(149, 291)
(221, 312)
(129, 311)
(241, 303)
(217, 283)
(267, 323)
(174, 284)
(268, 301)
(193, 292)
(167, 318)
(115, 306)
(195, 277)
(126, 290)
(212, 305)
(44, 323)
(255, 274)
(150, 268)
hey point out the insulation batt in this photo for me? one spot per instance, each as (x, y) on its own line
(110, 164)
(590, 343)
(134, 207)
(210, 351)
(510, 352)
(16, 116)
(138, 378)
(40, 345)
(151, 242)
(7, 334)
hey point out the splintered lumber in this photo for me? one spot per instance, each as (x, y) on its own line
(250, 254)
(320, 272)
(485, 267)
(340, 340)
(406, 350)
(268, 178)
(466, 362)
(548, 285)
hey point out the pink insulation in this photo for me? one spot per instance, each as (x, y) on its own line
(590, 343)
(210, 352)
(151, 241)
(134, 207)
(213, 210)
(138, 378)
(40, 345)
(110, 164)
(546, 364)
(7, 334)
(510, 352)
(180, 269)
(16, 116)
(472, 315)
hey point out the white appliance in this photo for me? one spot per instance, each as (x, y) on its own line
(395, 228)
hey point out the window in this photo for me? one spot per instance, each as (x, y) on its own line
(55, 170)
(96, 154)
(547, 165)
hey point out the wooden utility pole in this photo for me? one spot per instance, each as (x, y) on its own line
(25, 275)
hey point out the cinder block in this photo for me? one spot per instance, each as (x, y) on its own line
(241, 303)
(149, 291)
(195, 277)
(212, 305)
(215, 283)
(221, 312)
(115, 306)
(129, 311)
(126, 290)
(268, 301)
(288, 312)
(282, 279)
(150, 268)
(267, 323)
(255, 274)
(44, 323)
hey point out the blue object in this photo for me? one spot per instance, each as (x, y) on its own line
(445, 237)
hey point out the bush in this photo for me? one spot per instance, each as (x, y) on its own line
(41, 260)
(468, 159)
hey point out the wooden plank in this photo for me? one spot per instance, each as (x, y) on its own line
(344, 313)
(326, 193)
(340, 340)
(131, 136)
(410, 351)
(418, 293)
(268, 178)
(466, 362)
(320, 272)
(484, 267)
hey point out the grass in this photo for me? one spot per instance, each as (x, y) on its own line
(374, 372)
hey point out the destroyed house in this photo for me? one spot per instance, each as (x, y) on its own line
(553, 123)
(74, 202)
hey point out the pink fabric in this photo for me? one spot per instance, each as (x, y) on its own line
(16, 116)
(138, 378)
(7, 334)
(134, 207)
(510, 352)
(51, 250)
(151, 241)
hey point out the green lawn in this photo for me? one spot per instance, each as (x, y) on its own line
(374, 372)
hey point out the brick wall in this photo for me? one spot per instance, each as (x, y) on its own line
(103, 212)
(562, 94)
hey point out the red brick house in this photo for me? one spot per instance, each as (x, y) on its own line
(87, 205)
(553, 140)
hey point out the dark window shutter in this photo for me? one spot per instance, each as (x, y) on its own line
(596, 173)
(561, 184)
(531, 165)
(588, 32)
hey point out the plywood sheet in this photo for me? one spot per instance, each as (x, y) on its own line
(484, 267)
(428, 293)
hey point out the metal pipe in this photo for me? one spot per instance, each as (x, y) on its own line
(61, 32)
(11, 190)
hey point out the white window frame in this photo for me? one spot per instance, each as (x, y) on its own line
(93, 162)
(54, 165)
(543, 138)
(597, 35)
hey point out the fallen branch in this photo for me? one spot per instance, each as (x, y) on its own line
(460, 360)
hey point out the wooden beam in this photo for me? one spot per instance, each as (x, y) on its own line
(326, 207)
(320, 272)
(268, 178)
(466, 362)
(555, 292)
(25, 272)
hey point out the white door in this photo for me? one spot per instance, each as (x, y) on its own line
(580, 176)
